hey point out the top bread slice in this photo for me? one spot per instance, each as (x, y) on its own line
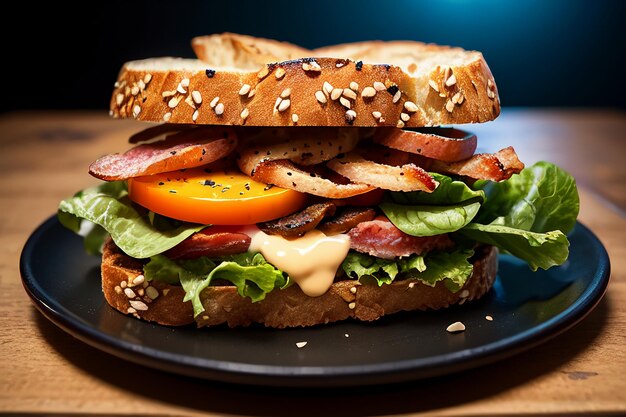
(242, 80)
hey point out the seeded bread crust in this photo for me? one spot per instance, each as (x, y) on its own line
(435, 85)
(281, 308)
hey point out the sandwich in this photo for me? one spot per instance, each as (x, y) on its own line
(294, 187)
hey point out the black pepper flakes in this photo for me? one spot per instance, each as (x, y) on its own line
(359, 65)
(173, 191)
(203, 151)
(210, 73)
(210, 183)
(247, 186)
(173, 152)
(161, 183)
(268, 187)
(393, 90)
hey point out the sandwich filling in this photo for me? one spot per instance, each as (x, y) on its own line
(265, 208)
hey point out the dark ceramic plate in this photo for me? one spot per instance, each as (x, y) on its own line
(527, 309)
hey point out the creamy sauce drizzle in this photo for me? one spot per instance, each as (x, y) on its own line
(311, 260)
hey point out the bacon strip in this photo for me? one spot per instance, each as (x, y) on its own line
(382, 239)
(408, 177)
(495, 167)
(299, 223)
(348, 218)
(210, 244)
(286, 175)
(443, 144)
(186, 149)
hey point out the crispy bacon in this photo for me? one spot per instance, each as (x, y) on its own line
(498, 166)
(186, 149)
(211, 244)
(407, 177)
(443, 144)
(382, 239)
(346, 219)
(299, 223)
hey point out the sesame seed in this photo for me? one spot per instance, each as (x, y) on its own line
(284, 105)
(286, 93)
(328, 88)
(464, 294)
(491, 94)
(345, 102)
(139, 279)
(245, 113)
(205, 317)
(119, 99)
(135, 90)
(110, 112)
(280, 73)
(152, 292)
(378, 86)
(461, 98)
(353, 290)
(245, 89)
(129, 293)
(368, 92)
(117, 84)
(123, 284)
(197, 97)
(456, 327)
(166, 291)
(404, 117)
(147, 78)
(140, 292)
(184, 82)
(349, 94)
(340, 64)
(138, 305)
(189, 101)
(411, 284)
(294, 118)
(219, 109)
(166, 94)
(319, 95)
(449, 106)
(451, 81)
(490, 84)
(311, 66)
(141, 85)
(118, 289)
(433, 85)
(400, 124)
(352, 306)
(346, 335)
(410, 106)
(252, 93)
(214, 102)
(131, 310)
(489, 318)
(301, 344)
(136, 110)
(277, 102)
(166, 117)
(195, 115)
(396, 97)
(354, 86)
(173, 102)
(181, 89)
(263, 72)
(446, 73)
(377, 114)
(336, 93)
(350, 116)
(381, 120)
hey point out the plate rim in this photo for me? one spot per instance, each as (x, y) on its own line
(348, 375)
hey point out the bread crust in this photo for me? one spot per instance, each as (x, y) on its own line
(283, 308)
(438, 85)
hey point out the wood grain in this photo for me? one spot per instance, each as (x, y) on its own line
(44, 158)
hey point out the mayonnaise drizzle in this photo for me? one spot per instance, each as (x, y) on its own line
(311, 260)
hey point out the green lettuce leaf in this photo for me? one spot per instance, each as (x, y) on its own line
(130, 226)
(449, 191)
(430, 220)
(529, 215)
(451, 267)
(250, 273)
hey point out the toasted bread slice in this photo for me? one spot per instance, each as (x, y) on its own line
(163, 303)
(400, 84)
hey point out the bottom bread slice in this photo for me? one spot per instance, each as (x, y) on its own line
(127, 291)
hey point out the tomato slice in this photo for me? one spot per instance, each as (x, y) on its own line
(221, 198)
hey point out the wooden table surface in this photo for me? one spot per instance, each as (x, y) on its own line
(43, 370)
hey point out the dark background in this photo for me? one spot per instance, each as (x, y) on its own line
(541, 52)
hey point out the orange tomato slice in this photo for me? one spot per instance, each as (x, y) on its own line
(221, 198)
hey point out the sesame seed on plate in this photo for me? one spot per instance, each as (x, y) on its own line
(300, 345)
(456, 327)
(488, 318)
